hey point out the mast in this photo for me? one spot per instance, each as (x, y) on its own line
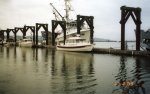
(67, 8)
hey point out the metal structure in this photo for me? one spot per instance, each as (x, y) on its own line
(54, 25)
(45, 27)
(26, 28)
(135, 13)
(18, 28)
(89, 20)
(8, 32)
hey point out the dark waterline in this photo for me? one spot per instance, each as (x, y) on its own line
(46, 71)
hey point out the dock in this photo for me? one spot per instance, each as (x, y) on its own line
(43, 46)
(121, 52)
(109, 51)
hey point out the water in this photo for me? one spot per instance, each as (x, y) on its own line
(46, 71)
(115, 45)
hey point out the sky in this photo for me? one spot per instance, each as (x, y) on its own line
(107, 15)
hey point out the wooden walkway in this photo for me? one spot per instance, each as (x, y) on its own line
(121, 52)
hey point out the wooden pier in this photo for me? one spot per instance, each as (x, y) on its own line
(43, 46)
(109, 51)
(121, 52)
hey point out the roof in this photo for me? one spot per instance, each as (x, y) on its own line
(27, 39)
(75, 38)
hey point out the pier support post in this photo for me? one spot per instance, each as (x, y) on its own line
(135, 13)
(7, 32)
(122, 30)
(138, 29)
(45, 27)
(2, 34)
(54, 25)
(89, 20)
(24, 31)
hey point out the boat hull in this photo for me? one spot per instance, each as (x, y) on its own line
(25, 44)
(83, 48)
(9, 44)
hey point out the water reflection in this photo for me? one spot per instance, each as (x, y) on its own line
(73, 73)
(35, 54)
(15, 52)
(46, 71)
(7, 52)
(130, 81)
(1, 49)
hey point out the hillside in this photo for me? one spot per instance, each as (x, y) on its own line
(102, 40)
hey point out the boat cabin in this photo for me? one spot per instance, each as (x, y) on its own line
(75, 40)
(26, 40)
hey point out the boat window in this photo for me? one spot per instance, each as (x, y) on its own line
(77, 41)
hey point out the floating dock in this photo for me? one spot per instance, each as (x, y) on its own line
(110, 51)
(121, 52)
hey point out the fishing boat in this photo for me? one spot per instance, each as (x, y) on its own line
(75, 44)
(145, 39)
(71, 25)
(26, 42)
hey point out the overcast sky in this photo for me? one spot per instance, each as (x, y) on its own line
(107, 14)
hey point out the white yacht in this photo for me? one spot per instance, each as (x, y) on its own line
(75, 44)
(26, 42)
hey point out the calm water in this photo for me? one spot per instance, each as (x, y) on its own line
(46, 71)
(115, 45)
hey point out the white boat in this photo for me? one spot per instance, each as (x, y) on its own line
(75, 44)
(9, 42)
(26, 42)
(71, 25)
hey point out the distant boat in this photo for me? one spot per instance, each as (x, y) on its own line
(9, 42)
(43, 35)
(75, 44)
(26, 42)
(145, 39)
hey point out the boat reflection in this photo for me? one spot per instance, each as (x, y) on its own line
(132, 84)
(73, 73)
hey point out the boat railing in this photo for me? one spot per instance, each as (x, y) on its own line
(71, 44)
